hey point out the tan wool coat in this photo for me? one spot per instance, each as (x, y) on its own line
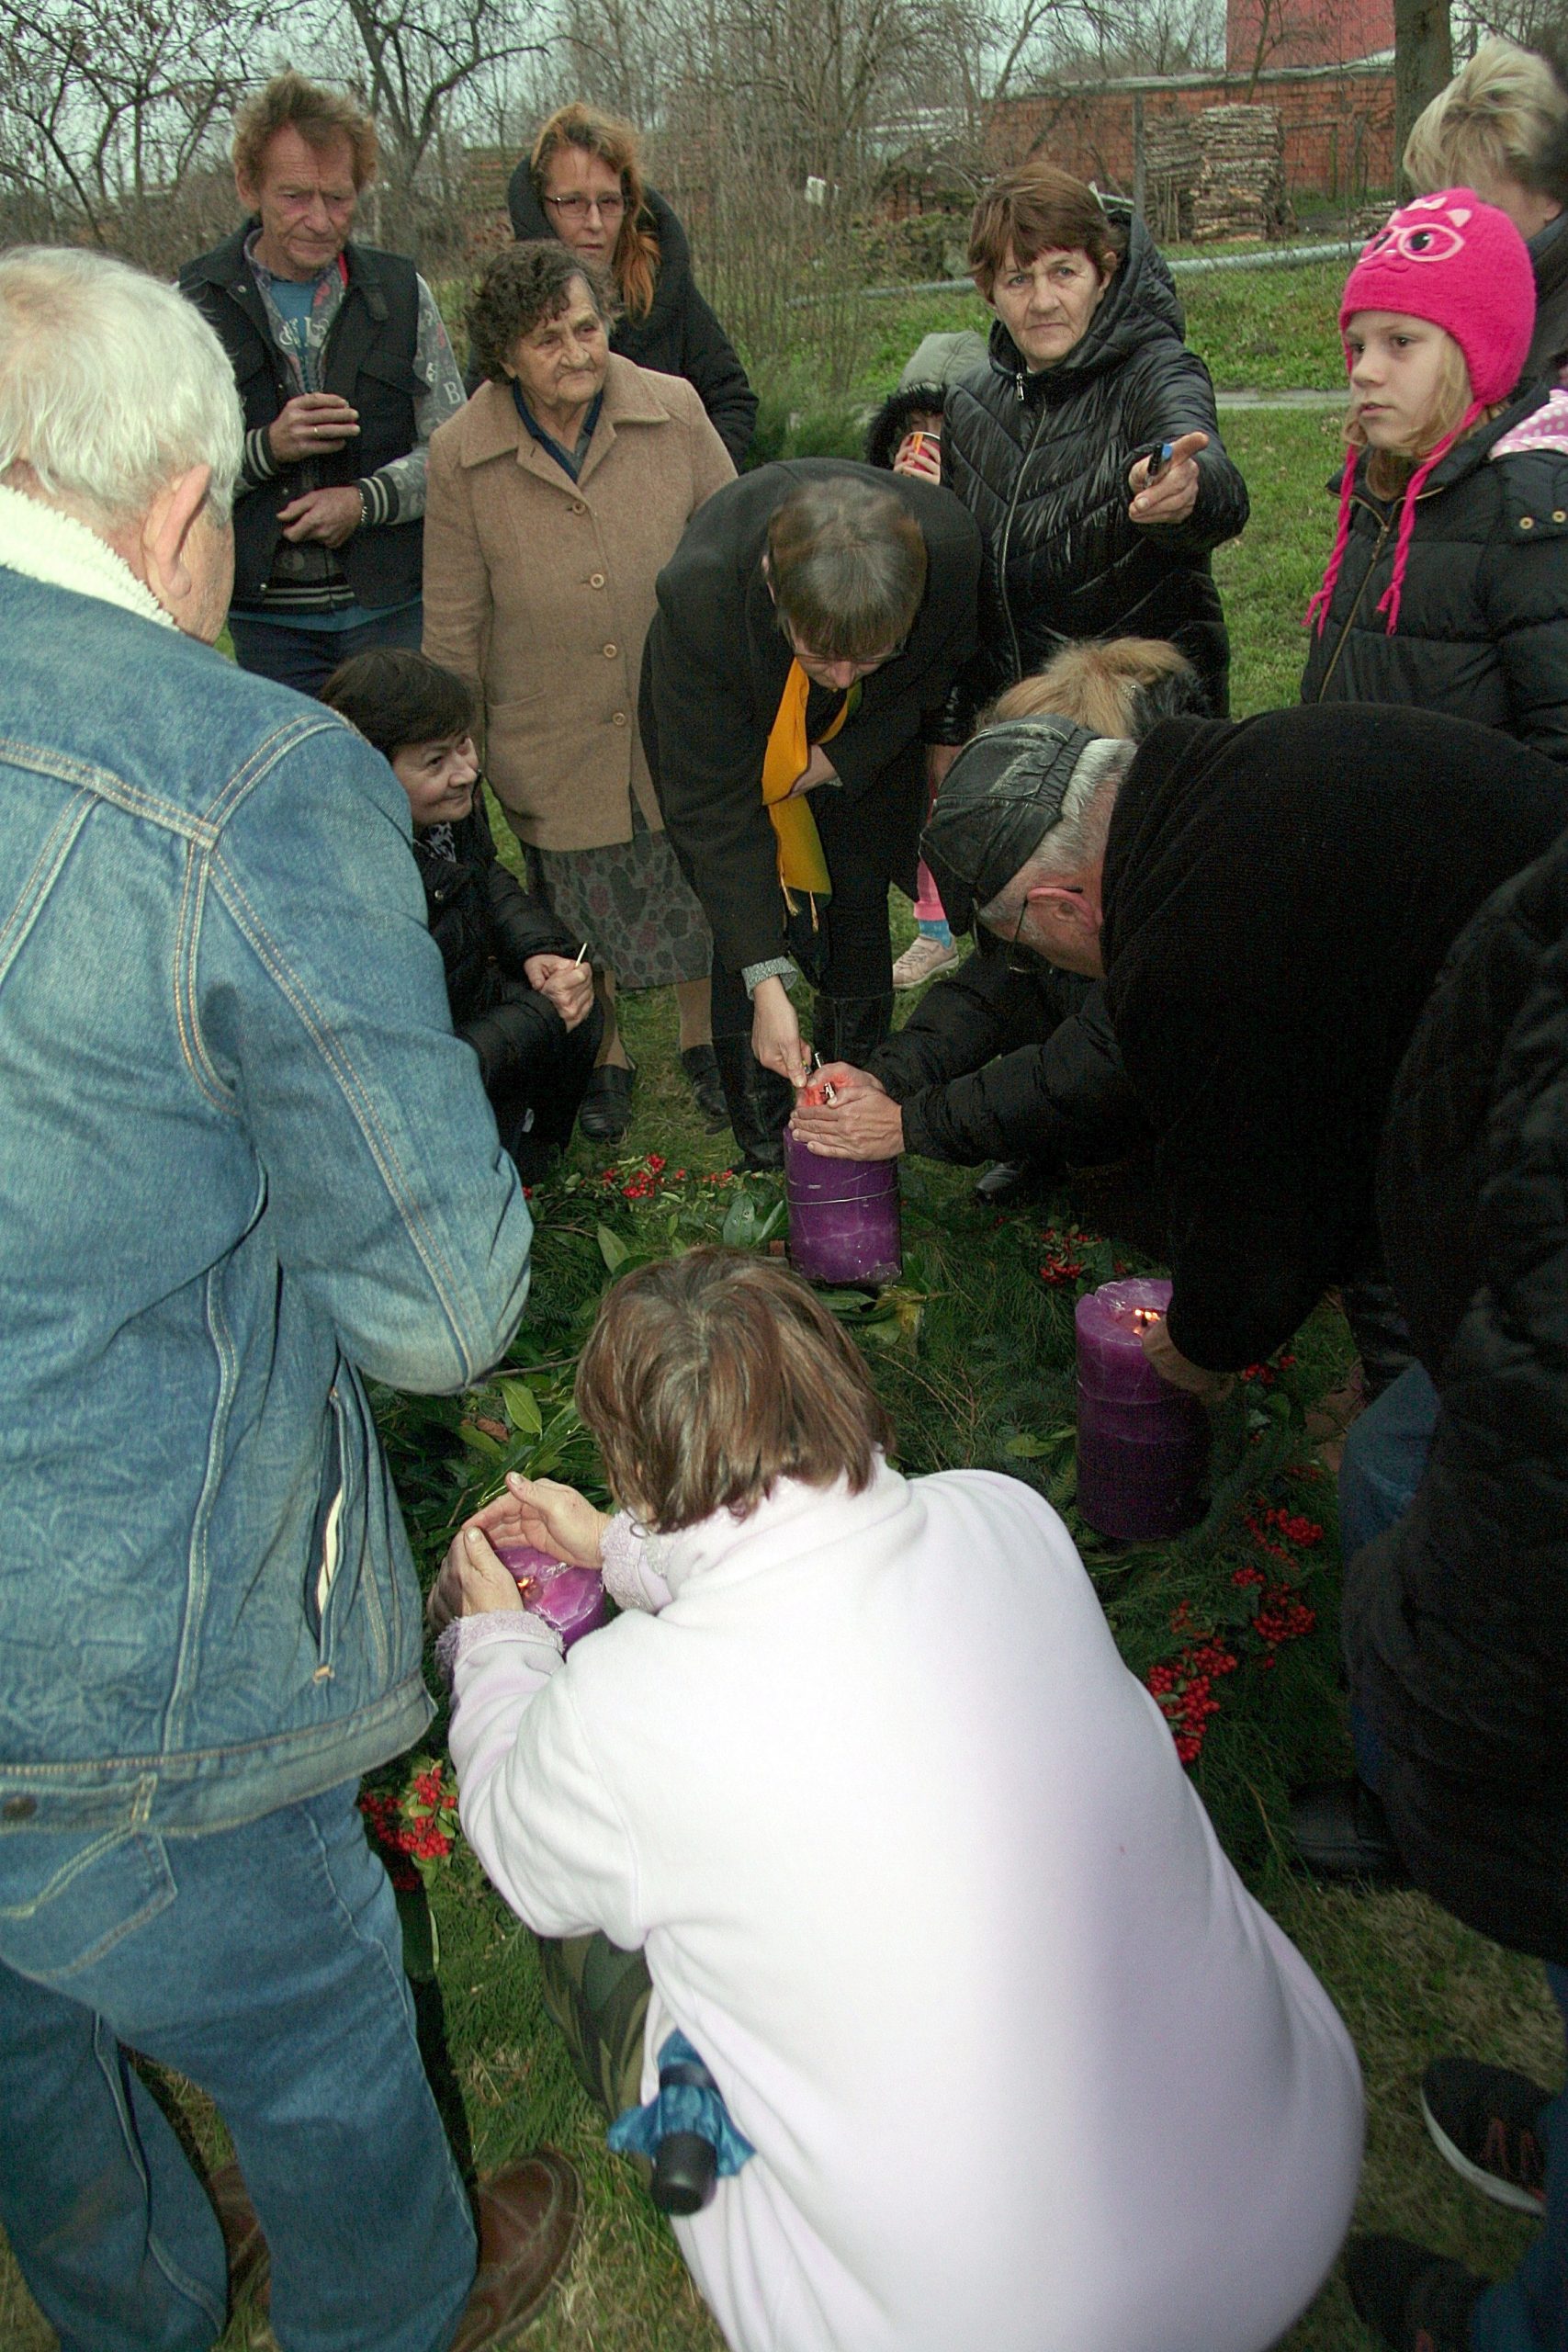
(541, 591)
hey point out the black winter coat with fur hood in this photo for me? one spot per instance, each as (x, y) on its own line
(1041, 463)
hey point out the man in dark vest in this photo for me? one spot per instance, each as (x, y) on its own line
(345, 371)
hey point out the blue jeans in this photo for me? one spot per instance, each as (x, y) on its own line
(265, 1963)
(306, 658)
(1529, 2313)
(1383, 1464)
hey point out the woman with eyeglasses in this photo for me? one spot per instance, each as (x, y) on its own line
(582, 183)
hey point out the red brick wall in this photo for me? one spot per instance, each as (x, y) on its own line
(1338, 133)
(1304, 32)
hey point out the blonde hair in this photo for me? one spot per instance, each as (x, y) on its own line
(634, 265)
(709, 1376)
(1502, 117)
(288, 102)
(1116, 685)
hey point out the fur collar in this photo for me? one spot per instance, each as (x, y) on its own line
(43, 543)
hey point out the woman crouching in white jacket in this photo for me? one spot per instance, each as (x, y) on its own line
(910, 1860)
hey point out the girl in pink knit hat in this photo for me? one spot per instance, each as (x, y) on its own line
(1448, 584)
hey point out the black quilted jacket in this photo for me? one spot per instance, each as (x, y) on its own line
(486, 926)
(994, 1064)
(1457, 1620)
(680, 336)
(1482, 627)
(1042, 463)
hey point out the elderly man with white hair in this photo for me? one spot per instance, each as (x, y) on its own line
(243, 1161)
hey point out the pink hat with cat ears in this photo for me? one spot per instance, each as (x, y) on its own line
(1464, 266)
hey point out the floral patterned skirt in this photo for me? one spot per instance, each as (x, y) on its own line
(632, 904)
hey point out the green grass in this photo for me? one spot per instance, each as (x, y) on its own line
(990, 1374)
(1264, 329)
(1267, 575)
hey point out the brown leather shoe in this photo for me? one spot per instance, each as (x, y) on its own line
(529, 2216)
(247, 2249)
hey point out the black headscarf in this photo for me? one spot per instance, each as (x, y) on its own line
(1280, 895)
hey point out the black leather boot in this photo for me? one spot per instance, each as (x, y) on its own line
(758, 1102)
(850, 1028)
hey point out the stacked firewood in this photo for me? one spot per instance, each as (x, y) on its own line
(1241, 177)
(1171, 176)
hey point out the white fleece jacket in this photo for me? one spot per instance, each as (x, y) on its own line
(916, 1870)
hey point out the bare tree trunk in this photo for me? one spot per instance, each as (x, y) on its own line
(1423, 64)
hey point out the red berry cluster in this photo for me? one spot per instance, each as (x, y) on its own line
(1273, 1530)
(637, 1179)
(415, 1827)
(1184, 1684)
(1063, 1262)
(1267, 1374)
(1184, 1687)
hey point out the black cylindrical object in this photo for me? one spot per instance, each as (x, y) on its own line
(685, 2173)
(686, 2163)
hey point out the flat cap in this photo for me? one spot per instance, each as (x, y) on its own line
(1001, 795)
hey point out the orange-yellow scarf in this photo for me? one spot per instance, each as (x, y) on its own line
(802, 865)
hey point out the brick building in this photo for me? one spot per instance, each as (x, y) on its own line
(1327, 65)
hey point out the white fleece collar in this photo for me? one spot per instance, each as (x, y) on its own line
(44, 544)
(774, 1527)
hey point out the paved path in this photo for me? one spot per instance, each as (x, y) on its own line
(1248, 397)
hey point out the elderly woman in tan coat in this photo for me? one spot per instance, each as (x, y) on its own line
(555, 497)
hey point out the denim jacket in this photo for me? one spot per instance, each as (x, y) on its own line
(243, 1161)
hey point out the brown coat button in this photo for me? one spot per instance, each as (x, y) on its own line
(595, 580)
(1526, 522)
(578, 507)
(610, 652)
(619, 719)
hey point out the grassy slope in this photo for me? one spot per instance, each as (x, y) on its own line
(1410, 1981)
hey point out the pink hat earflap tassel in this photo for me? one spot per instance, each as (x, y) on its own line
(1389, 602)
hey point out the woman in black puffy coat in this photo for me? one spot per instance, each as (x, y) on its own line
(582, 183)
(1088, 384)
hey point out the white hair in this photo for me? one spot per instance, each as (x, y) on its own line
(1076, 843)
(110, 385)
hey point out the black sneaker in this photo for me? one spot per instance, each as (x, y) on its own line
(1485, 2121)
(1415, 2300)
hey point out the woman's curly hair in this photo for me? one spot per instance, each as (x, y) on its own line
(523, 286)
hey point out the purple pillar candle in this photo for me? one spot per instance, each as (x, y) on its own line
(1143, 1445)
(844, 1216)
(571, 1599)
